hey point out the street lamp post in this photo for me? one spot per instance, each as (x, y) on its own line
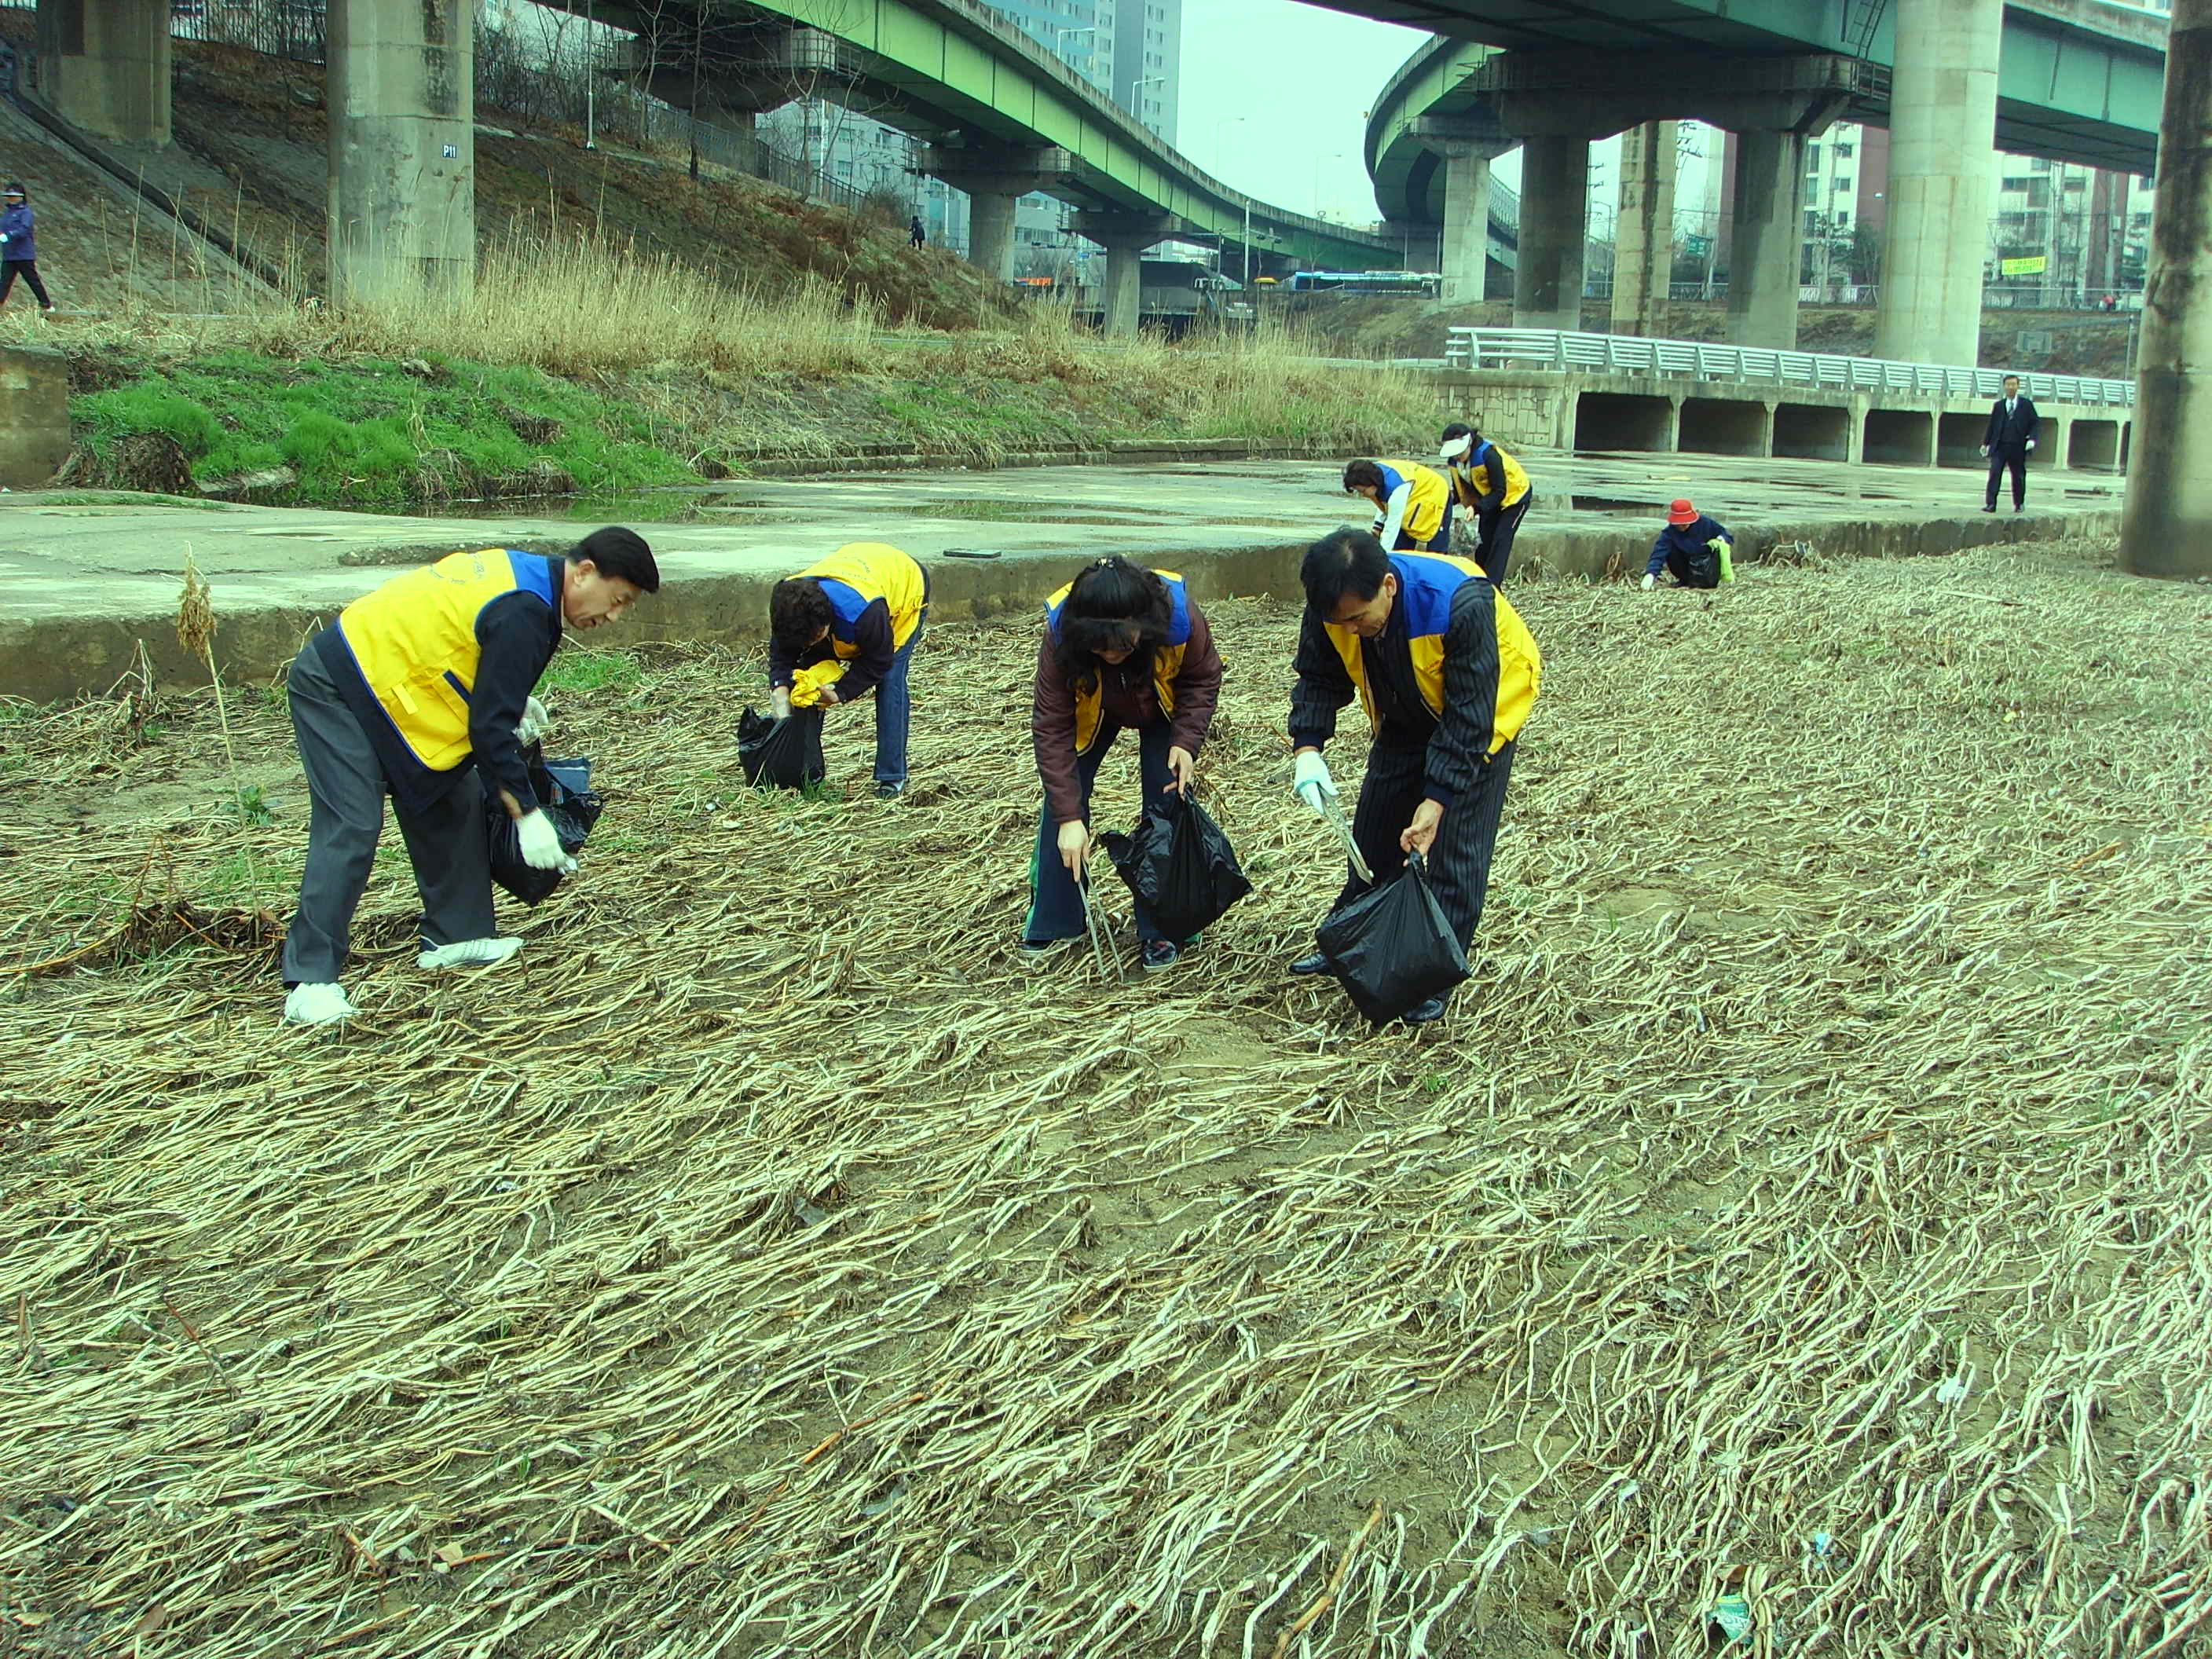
(591, 77)
(1136, 108)
(1061, 37)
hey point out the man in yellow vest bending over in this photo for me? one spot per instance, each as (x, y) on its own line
(864, 606)
(1448, 673)
(419, 682)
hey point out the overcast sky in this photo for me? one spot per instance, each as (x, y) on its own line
(1302, 79)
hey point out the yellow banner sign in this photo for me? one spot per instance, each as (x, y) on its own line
(2028, 267)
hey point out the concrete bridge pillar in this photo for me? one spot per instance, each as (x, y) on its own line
(1762, 294)
(103, 66)
(1547, 283)
(402, 214)
(1467, 223)
(1943, 126)
(1643, 234)
(993, 176)
(1125, 236)
(2165, 526)
(991, 233)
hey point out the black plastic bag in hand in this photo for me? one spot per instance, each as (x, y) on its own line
(564, 792)
(1392, 947)
(784, 754)
(1180, 867)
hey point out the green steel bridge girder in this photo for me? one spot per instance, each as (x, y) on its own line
(2077, 80)
(952, 67)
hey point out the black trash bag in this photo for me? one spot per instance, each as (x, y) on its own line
(1180, 867)
(1392, 947)
(564, 792)
(784, 754)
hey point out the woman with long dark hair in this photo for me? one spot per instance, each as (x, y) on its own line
(1124, 647)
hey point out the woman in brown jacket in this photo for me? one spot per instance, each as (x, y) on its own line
(1124, 647)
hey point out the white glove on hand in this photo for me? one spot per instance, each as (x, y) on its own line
(2030, 443)
(1311, 783)
(534, 723)
(541, 844)
(1650, 581)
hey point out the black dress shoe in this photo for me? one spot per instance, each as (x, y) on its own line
(1425, 1013)
(1315, 963)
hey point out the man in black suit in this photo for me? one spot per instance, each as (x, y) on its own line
(2011, 435)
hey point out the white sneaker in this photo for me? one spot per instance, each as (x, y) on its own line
(469, 953)
(318, 1004)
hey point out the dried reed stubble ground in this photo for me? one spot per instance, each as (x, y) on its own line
(764, 1265)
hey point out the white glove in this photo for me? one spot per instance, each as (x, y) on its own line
(1311, 783)
(1985, 449)
(2030, 443)
(534, 723)
(1650, 581)
(541, 843)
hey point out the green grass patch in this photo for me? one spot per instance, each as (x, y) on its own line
(368, 433)
(579, 671)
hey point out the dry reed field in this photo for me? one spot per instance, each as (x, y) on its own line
(1807, 1202)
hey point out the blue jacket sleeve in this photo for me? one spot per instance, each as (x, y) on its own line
(1322, 688)
(872, 634)
(516, 635)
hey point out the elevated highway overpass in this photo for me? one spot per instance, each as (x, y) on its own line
(999, 118)
(2079, 81)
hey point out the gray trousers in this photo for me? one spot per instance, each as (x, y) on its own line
(446, 841)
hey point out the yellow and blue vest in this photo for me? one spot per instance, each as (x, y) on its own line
(1425, 505)
(1473, 477)
(1427, 585)
(414, 640)
(857, 574)
(1167, 659)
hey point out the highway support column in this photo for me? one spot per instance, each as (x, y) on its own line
(991, 233)
(103, 66)
(1125, 236)
(402, 108)
(1762, 294)
(1942, 127)
(2165, 524)
(1547, 281)
(1643, 234)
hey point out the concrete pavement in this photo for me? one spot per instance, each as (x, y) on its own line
(88, 579)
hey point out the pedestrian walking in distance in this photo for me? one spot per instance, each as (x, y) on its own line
(915, 234)
(18, 248)
(2010, 436)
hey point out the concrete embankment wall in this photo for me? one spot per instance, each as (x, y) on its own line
(56, 651)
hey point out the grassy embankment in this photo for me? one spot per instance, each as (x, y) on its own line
(595, 369)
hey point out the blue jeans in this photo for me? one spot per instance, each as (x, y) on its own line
(895, 710)
(1055, 905)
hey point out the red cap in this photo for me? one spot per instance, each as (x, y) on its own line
(1680, 512)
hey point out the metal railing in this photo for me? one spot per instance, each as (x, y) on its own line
(1623, 354)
